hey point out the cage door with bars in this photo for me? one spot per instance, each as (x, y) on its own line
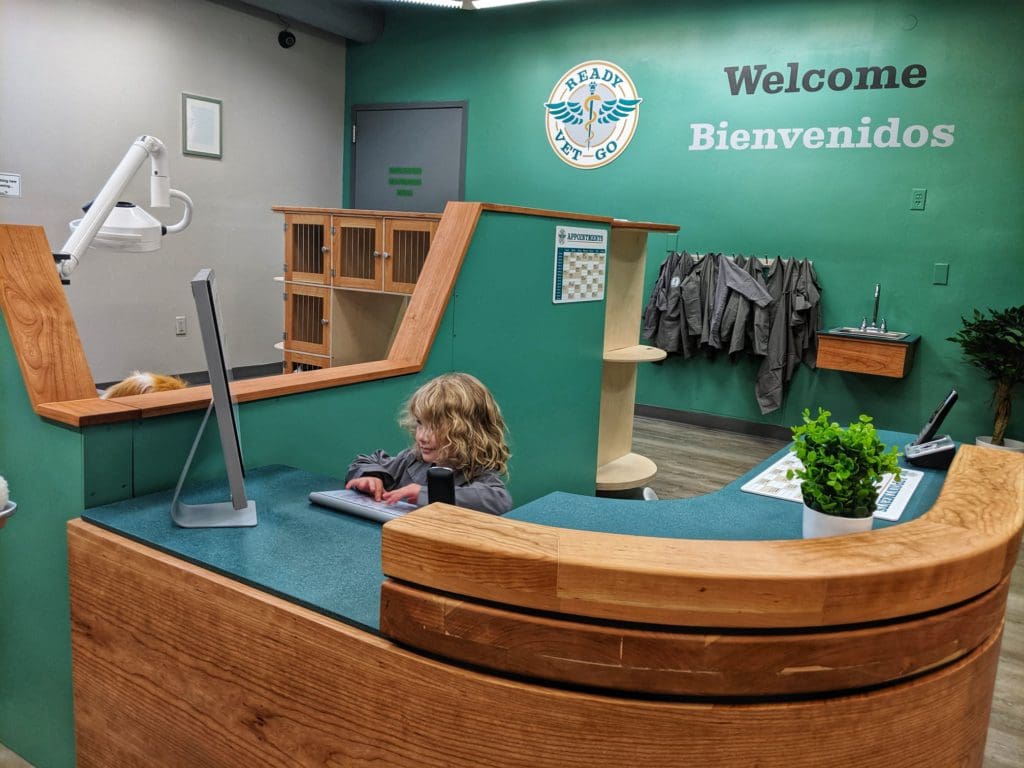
(357, 251)
(307, 319)
(407, 244)
(307, 257)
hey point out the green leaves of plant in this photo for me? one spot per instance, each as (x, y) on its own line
(841, 465)
(995, 343)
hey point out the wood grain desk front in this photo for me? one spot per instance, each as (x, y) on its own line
(521, 644)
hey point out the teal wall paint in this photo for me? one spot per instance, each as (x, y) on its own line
(545, 372)
(323, 431)
(848, 210)
(108, 464)
(42, 463)
(541, 360)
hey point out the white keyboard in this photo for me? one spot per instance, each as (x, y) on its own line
(361, 505)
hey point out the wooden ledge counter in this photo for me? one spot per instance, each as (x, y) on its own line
(964, 545)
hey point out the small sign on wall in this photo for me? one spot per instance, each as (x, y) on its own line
(580, 257)
(10, 185)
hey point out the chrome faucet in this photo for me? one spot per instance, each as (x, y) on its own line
(873, 327)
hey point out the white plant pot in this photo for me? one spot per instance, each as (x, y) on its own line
(1008, 444)
(818, 524)
(6, 511)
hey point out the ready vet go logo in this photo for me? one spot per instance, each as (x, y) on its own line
(592, 114)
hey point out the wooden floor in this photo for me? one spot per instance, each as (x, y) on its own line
(696, 460)
(10, 760)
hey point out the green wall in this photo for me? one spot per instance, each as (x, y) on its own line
(544, 370)
(541, 360)
(847, 209)
(43, 467)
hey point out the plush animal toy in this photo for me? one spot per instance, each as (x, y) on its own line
(140, 383)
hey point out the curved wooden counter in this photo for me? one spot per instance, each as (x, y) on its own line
(720, 620)
(179, 666)
(547, 647)
(965, 545)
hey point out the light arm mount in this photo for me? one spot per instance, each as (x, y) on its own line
(160, 197)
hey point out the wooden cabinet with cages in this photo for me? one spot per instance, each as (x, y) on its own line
(368, 250)
(385, 254)
(347, 279)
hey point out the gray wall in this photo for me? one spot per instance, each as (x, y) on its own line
(80, 79)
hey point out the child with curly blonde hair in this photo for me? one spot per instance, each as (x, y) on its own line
(455, 422)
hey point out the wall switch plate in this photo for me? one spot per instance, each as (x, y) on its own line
(940, 274)
(917, 199)
(180, 326)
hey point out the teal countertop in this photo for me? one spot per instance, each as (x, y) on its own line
(729, 513)
(330, 562)
(323, 560)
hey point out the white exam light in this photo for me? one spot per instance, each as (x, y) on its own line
(109, 223)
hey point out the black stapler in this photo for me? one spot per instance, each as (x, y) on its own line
(928, 450)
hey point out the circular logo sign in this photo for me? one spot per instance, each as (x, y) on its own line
(592, 114)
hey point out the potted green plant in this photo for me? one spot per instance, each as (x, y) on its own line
(995, 344)
(841, 467)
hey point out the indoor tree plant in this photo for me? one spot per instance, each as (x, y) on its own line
(995, 344)
(841, 466)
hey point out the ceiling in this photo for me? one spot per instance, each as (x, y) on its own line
(361, 21)
(358, 20)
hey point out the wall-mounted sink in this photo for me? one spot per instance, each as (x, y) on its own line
(869, 333)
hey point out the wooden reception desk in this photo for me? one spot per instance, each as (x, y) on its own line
(511, 643)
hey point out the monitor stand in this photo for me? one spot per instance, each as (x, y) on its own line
(220, 514)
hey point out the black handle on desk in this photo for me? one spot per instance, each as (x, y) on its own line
(440, 485)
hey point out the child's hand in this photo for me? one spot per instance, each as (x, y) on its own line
(410, 493)
(371, 486)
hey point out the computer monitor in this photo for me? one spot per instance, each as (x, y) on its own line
(240, 511)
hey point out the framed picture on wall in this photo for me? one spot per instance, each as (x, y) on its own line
(201, 126)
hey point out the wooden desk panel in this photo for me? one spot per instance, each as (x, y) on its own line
(177, 666)
(43, 332)
(685, 661)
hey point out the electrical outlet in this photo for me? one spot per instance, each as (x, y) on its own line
(917, 199)
(180, 326)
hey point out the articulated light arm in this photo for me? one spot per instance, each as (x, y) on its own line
(160, 197)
